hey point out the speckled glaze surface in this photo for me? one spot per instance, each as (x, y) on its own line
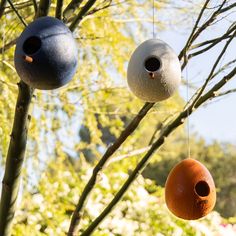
(165, 81)
(54, 63)
(190, 190)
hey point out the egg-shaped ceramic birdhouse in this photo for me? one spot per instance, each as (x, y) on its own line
(154, 71)
(46, 54)
(190, 190)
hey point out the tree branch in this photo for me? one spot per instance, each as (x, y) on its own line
(215, 42)
(189, 41)
(81, 14)
(198, 30)
(18, 6)
(130, 154)
(227, 8)
(35, 6)
(8, 46)
(98, 168)
(156, 145)
(15, 158)
(200, 91)
(43, 9)
(211, 41)
(2, 7)
(230, 63)
(59, 7)
(72, 6)
(17, 13)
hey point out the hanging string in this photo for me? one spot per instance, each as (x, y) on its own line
(3, 37)
(188, 122)
(153, 19)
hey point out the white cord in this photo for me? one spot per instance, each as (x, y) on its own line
(153, 19)
(188, 122)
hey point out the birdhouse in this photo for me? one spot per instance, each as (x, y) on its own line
(154, 71)
(190, 190)
(46, 54)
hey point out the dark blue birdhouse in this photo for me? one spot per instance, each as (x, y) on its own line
(46, 54)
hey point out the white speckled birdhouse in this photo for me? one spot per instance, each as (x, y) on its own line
(154, 71)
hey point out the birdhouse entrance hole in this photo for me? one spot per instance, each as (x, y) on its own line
(32, 45)
(202, 189)
(152, 64)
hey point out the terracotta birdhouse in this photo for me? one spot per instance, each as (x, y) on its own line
(46, 54)
(154, 71)
(190, 190)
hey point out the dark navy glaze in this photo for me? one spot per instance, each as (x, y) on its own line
(55, 58)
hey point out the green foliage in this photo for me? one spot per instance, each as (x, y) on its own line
(46, 209)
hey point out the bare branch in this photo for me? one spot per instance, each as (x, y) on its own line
(35, 6)
(107, 5)
(198, 30)
(200, 91)
(81, 14)
(2, 7)
(98, 168)
(225, 93)
(43, 8)
(17, 13)
(218, 39)
(130, 154)
(8, 46)
(227, 65)
(227, 8)
(18, 6)
(59, 7)
(72, 6)
(189, 41)
(15, 158)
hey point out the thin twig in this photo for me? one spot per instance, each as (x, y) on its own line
(81, 14)
(214, 43)
(224, 36)
(189, 41)
(8, 46)
(98, 168)
(72, 6)
(199, 93)
(17, 13)
(18, 7)
(198, 30)
(225, 93)
(35, 6)
(97, 9)
(156, 145)
(130, 154)
(228, 64)
(228, 8)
